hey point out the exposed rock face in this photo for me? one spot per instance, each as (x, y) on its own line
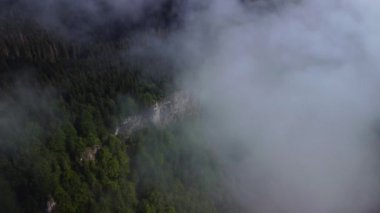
(89, 153)
(159, 115)
(172, 109)
(130, 125)
(50, 205)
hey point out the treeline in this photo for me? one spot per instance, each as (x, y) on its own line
(59, 105)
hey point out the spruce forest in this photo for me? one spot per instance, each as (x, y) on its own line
(61, 100)
(189, 106)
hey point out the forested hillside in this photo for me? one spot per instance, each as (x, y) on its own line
(60, 102)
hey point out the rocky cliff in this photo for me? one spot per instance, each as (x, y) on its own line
(159, 115)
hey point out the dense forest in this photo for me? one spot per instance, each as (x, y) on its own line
(189, 106)
(60, 102)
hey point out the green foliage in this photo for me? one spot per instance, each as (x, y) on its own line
(175, 171)
(43, 155)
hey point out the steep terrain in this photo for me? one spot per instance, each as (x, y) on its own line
(60, 103)
(160, 115)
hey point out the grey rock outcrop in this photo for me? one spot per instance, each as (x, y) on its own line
(89, 154)
(50, 205)
(159, 115)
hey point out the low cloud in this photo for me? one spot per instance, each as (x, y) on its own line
(80, 20)
(290, 99)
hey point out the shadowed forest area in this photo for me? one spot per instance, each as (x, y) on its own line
(172, 106)
(60, 102)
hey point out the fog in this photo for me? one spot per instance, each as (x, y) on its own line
(290, 99)
(85, 19)
(289, 92)
(22, 108)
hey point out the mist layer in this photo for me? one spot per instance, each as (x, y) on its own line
(290, 99)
